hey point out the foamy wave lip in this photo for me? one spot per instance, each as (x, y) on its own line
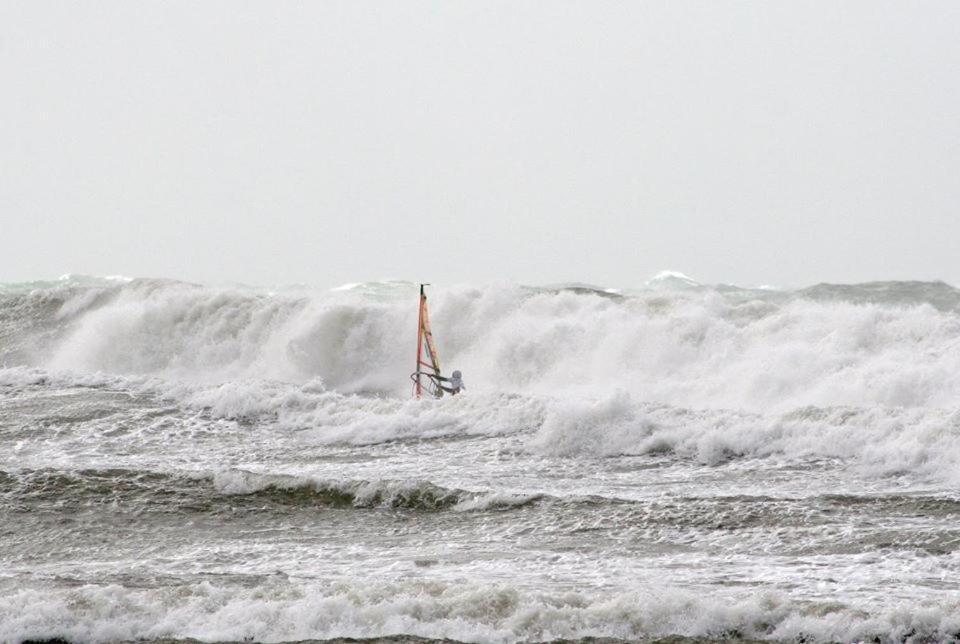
(608, 427)
(407, 494)
(478, 502)
(82, 279)
(414, 495)
(672, 279)
(279, 610)
(349, 286)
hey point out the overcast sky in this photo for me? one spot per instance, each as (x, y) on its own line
(327, 142)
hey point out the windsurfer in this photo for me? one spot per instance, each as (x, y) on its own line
(427, 376)
(456, 383)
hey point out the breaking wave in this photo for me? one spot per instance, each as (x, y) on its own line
(675, 342)
(407, 495)
(277, 610)
(233, 490)
(227, 490)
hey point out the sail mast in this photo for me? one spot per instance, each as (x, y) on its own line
(417, 388)
(428, 362)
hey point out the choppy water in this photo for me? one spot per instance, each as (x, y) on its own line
(230, 463)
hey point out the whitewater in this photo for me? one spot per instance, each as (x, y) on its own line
(716, 462)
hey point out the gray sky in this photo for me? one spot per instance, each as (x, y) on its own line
(330, 142)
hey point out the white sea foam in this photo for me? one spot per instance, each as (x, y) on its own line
(881, 441)
(283, 611)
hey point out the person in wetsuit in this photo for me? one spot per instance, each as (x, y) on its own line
(455, 383)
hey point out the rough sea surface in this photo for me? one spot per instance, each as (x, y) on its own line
(676, 460)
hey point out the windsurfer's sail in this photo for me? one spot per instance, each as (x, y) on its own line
(427, 376)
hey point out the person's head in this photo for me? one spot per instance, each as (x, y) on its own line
(456, 374)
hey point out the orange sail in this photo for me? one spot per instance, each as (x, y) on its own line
(427, 375)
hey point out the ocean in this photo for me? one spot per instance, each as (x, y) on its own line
(230, 463)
